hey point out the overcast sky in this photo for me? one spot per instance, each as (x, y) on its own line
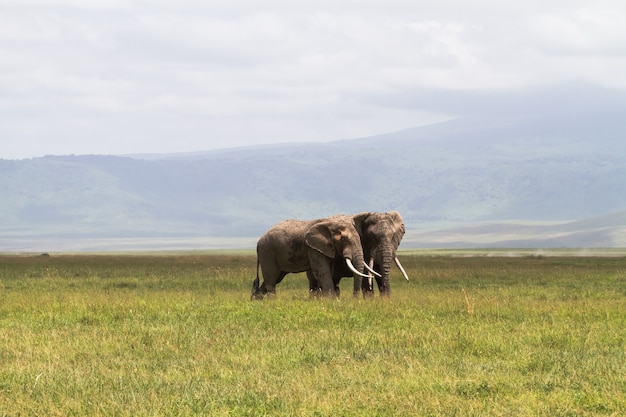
(124, 76)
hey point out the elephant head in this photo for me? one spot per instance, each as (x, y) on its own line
(335, 237)
(381, 234)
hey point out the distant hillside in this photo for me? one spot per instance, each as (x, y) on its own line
(452, 174)
(601, 232)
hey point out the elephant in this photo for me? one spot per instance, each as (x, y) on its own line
(380, 235)
(314, 246)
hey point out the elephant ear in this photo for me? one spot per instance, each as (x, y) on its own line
(398, 226)
(319, 237)
(359, 221)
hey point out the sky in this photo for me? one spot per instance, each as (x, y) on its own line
(160, 76)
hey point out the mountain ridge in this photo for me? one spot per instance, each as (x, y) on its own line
(471, 170)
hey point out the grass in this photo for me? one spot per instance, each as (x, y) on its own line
(177, 335)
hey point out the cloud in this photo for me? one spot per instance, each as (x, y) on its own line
(584, 31)
(128, 76)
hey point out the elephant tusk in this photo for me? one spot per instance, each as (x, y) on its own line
(370, 279)
(369, 268)
(401, 268)
(353, 269)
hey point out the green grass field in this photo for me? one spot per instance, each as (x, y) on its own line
(153, 335)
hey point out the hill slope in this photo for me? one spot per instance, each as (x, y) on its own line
(600, 232)
(446, 175)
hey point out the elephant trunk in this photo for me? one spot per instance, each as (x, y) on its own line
(357, 266)
(387, 259)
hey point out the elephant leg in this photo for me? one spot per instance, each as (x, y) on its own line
(272, 275)
(314, 287)
(381, 282)
(368, 291)
(339, 265)
(272, 292)
(383, 286)
(281, 275)
(358, 285)
(322, 271)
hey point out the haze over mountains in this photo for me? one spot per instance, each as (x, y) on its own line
(529, 180)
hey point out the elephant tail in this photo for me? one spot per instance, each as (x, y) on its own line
(256, 282)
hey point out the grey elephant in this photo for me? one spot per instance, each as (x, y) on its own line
(380, 235)
(315, 246)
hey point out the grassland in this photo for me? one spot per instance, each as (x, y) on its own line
(177, 335)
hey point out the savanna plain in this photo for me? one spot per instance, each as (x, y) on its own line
(176, 334)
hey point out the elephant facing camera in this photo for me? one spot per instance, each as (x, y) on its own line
(380, 235)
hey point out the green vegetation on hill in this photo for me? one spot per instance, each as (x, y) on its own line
(455, 173)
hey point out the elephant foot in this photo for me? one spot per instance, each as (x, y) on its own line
(257, 296)
(260, 295)
(368, 293)
(315, 292)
